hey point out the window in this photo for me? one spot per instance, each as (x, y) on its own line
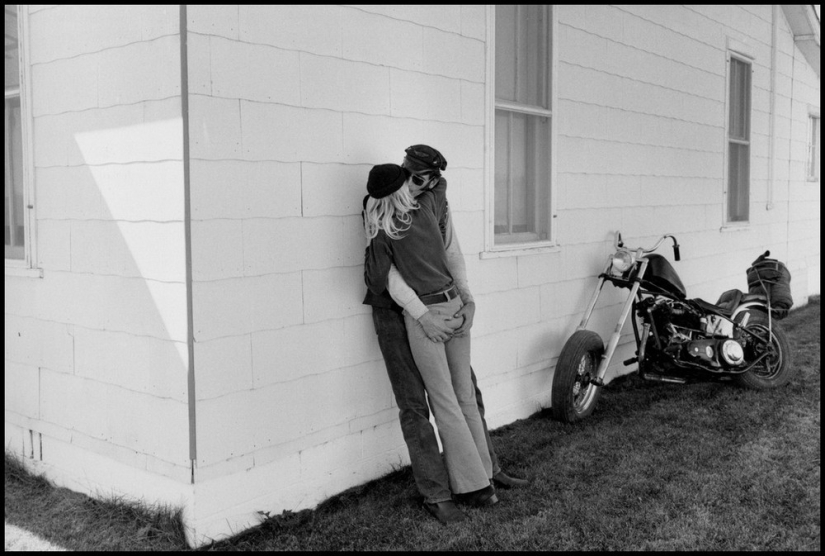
(739, 131)
(15, 155)
(522, 125)
(813, 147)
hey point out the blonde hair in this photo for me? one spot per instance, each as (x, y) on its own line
(390, 213)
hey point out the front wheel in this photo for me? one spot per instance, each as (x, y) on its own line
(774, 370)
(574, 396)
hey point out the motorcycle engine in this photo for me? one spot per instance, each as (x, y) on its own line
(682, 332)
(676, 323)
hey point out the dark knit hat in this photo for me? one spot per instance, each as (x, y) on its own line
(386, 179)
(423, 157)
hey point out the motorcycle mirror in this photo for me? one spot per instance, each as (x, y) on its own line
(619, 242)
(676, 252)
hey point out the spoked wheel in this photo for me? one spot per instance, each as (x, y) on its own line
(574, 396)
(774, 370)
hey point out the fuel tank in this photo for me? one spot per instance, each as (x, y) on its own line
(660, 275)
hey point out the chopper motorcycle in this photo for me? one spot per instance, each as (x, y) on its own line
(678, 340)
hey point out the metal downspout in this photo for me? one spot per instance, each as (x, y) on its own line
(772, 122)
(187, 226)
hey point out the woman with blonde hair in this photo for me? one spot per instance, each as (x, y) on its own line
(404, 221)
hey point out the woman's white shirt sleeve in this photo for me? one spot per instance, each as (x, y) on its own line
(404, 295)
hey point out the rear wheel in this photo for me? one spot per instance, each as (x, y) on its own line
(574, 396)
(775, 369)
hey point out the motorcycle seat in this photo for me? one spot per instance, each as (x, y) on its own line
(728, 301)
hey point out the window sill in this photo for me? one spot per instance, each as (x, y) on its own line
(518, 251)
(22, 272)
(735, 228)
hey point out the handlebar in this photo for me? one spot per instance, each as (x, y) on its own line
(676, 254)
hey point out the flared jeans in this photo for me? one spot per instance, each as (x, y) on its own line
(445, 368)
(414, 415)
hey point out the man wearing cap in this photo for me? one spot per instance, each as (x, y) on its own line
(426, 164)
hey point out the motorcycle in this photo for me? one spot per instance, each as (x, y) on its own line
(678, 340)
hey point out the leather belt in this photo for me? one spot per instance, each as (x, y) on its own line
(440, 297)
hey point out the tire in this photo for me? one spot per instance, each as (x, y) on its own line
(579, 360)
(776, 369)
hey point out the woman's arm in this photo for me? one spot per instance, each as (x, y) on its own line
(404, 294)
(436, 327)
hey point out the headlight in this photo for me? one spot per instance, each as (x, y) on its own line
(622, 260)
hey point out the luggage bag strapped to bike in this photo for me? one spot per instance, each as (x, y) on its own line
(772, 279)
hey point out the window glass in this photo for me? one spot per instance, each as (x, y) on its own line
(522, 52)
(12, 57)
(740, 99)
(13, 140)
(738, 196)
(738, 177)
(522, 171)
(522, 124)
(813, 149)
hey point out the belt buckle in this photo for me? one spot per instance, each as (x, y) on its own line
(447, 294)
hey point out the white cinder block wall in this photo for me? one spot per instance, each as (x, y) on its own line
(641, 115)
(95, 350)
(289, 107)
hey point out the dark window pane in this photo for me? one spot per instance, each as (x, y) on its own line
(523, 54)
(522, 189)
(738, 183)
(11, 58)
(740, 77)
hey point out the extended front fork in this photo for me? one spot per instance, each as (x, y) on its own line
(617, 332)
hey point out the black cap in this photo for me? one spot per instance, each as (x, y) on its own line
(424, 157)
(386, 179)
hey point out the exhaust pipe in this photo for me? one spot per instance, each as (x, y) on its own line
(660, 378)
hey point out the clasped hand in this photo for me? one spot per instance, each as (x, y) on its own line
(440, 328)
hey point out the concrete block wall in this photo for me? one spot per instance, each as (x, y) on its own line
(800, 98)
(95, 350)
(641, 116)
(290, 106)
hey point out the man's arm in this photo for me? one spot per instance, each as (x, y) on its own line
(455, 261)
(458, 268)
(377, 262)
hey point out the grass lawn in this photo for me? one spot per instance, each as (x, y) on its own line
(658, 467)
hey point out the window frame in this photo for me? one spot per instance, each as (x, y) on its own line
(813, 169)
(736, 51)
(491, 249)
(27, 265)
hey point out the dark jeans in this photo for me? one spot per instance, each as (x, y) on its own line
(427, 466)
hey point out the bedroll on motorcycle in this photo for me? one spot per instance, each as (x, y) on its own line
(772, 279)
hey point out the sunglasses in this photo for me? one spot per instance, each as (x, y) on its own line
(421, 180)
